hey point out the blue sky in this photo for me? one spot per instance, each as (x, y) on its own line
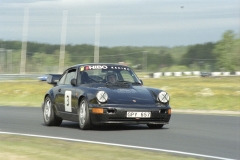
(122, 23)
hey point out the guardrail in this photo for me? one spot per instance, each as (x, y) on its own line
(19, 76)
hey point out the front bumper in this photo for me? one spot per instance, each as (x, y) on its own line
(118, 115)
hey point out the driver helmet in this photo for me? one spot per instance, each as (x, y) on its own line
(111, 78)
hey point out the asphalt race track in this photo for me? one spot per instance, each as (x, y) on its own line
(212, 135)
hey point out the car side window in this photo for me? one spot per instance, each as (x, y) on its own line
(70, 75)
(62, 80)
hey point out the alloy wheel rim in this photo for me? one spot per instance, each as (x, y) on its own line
(82, 113)
(47, 110)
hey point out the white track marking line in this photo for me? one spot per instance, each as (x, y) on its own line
(118, 145)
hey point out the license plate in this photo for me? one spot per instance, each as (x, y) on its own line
(138, 114)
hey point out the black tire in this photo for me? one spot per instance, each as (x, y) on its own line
(49, 117)
(155, 126)
(83, 115)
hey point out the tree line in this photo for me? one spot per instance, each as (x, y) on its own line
(223, 55)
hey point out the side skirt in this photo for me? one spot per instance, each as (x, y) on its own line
(68, 116)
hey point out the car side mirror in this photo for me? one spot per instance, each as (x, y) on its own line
(141, 81)
(74, 82)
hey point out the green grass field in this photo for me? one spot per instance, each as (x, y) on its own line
(185, 93)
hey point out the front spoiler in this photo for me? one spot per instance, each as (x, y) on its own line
(119, 116)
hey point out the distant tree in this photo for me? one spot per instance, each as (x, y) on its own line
(227, 52)
(236, 55)
(174, 68)
(46, 56)
(14, 45)
(201, 54)
(177, 53)
(166, 59)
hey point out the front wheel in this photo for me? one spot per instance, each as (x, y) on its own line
(155, 126)
(49, 117)
(84, 117)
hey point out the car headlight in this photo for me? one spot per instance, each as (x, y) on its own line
(163, 97)
(102, 96)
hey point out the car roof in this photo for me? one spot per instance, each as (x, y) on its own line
(86, 64)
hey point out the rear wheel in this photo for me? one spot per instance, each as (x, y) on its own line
(49, 117)
(84, 117)
(155, 126)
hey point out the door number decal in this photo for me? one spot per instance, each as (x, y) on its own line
(68, 101)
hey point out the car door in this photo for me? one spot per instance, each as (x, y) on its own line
(59, 98)
(65, 99)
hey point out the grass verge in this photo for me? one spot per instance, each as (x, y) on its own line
(14, 147)
(212, 93)
(186, 93)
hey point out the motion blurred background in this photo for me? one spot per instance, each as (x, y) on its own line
(47, 36)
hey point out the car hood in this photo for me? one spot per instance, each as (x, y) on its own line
(128, 95)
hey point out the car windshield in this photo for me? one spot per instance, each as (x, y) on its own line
(109, 74)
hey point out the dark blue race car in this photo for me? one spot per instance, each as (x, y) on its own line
(97, 94)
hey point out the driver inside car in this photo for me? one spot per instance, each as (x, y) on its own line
(111, 78)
